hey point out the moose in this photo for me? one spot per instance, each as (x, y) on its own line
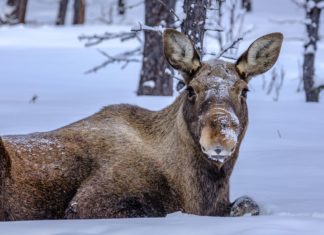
(126, 161)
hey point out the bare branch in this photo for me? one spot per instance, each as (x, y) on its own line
(228, 47)
(140, 27)
(299, 3)
(120, 58)
(134, 5)
(97, 39)
(321, 87)
(217, 28)
(287, 21)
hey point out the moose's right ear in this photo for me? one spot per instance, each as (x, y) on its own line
(180, 52)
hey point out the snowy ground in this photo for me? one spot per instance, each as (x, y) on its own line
(282, 157)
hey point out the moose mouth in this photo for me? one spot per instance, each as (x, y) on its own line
(218, 158)
(213, 156)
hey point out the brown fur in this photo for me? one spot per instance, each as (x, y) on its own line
(125, 161)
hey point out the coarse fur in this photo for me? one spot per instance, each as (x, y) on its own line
(126, 161)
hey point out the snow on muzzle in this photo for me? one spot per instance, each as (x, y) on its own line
(219, 134)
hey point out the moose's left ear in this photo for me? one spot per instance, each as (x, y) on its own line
(260, 56)
(180, 51)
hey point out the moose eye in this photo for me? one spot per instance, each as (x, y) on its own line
(244, 92)
(191, 93)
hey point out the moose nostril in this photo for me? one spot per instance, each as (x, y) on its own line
(218, 151)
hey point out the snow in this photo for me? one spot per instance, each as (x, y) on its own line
(283, 173)
(310, 49)
(320, 4)
(150, 84)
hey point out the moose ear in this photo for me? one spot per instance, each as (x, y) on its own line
(180, 52)
(260, 56)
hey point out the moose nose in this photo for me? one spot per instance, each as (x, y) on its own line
(218, 150)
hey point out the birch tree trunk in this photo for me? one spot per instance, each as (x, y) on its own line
(312, 26)
(154, 80)
(194, 23)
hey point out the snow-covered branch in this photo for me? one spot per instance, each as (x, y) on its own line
(143, 27)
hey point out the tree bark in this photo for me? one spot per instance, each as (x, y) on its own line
(247, 5)
(121, 7)
(154, 80)
(60, 20)
(313, 17)
(79, 12)
(21, 11)
(194, 23)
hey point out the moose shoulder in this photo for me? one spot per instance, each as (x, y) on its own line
(125, 161)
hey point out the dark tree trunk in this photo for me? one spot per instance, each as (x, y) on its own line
(121, 7)
(21, 11)
(60, 20)
(18, 14)
(247, 5)
(154, 80)
(313, 16)
(194, 23)
(79, 12)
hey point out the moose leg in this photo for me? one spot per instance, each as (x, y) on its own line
(99, 201)
(244, 205)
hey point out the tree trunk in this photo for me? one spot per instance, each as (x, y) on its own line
(21, 11)
(247, 5)
(194, 23)
(79, 12)
(60, 20)
(154, 80)
(18, 14)
(313, 16)
(121, 7)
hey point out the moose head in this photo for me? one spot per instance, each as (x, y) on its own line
(215, 109)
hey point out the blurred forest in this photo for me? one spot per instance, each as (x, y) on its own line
(220, 20)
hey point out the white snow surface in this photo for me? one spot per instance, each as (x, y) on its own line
(281, 159)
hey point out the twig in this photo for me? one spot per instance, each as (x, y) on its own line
(279, 134)
(299, 3)
(97, 39)
(123, 57)
(319, 88)
(227, 48)
(141, 27)
(287, 21)
(134, 5)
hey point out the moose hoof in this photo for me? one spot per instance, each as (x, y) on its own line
(244, 205)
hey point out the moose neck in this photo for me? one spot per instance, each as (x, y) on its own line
(185, 165)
